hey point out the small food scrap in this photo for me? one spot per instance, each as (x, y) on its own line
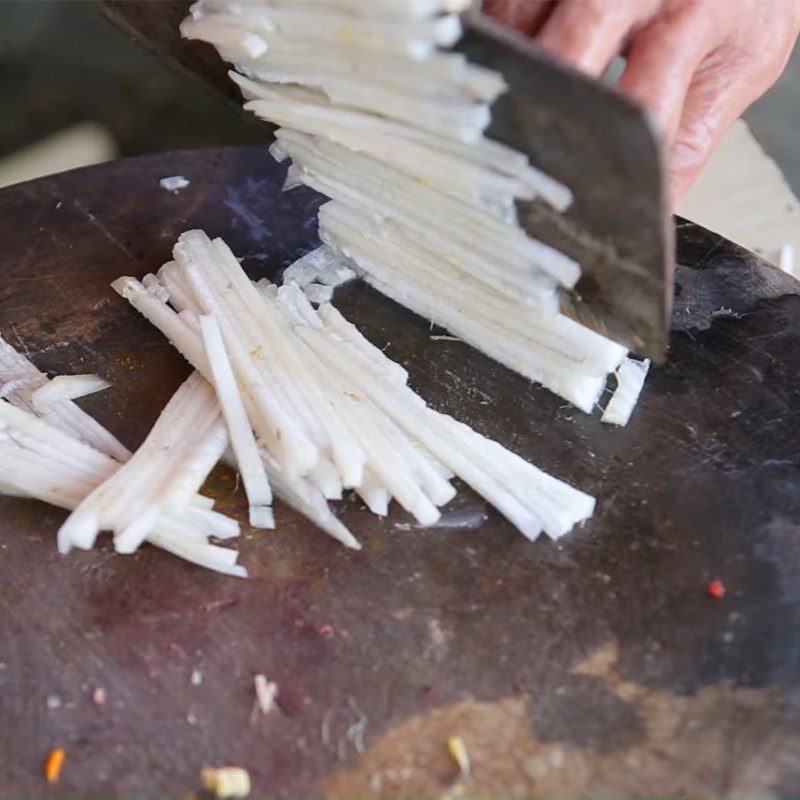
(266, 692)
(716, 589)
(226, 781)
(197, 677)
(458, 752)
(54, 764)
(53, 702)
(630, 381)
(99, 696)
(174, 183)
(319, 293)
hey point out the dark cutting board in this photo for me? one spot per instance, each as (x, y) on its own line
(599, 666)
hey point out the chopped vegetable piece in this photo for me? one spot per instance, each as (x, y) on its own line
(174, 183)
(630, 381)
(21, 379)
(66, 387)
(226, 782)
(266, 692)
(248, 459)
(54, 764)
(163, 475)
(317, 293)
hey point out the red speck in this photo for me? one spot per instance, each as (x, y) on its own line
(324, 630)
(432, 690)
(716, 588)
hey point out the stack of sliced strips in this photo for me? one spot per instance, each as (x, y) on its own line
(313, 408)
(376, 116)
(55, 452)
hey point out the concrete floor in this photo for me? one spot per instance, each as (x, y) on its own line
(61, 64)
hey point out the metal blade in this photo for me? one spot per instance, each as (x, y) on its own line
(603, 146)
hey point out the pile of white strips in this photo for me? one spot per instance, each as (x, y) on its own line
(377, 116)
(294, 396)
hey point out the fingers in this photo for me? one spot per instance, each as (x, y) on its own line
(590, 33)
(662, 60)
(525, 16)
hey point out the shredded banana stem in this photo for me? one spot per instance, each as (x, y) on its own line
(248, 459)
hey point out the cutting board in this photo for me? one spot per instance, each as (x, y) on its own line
(597, 666)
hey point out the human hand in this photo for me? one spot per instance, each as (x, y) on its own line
(696, 64)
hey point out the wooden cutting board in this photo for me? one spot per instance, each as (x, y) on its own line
(600, 666)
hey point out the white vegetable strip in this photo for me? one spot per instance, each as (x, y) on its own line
(234, 40)
(630, 382)
(248, 459)
(64, 415)
(375, 495)
(306, 498)
(66, 387)
(336, 323)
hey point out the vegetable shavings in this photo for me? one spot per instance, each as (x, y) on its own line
(318, 293)
(248, 459)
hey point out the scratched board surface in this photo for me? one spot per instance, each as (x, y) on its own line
(600, 666)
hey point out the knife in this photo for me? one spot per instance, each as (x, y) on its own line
(584, 133)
